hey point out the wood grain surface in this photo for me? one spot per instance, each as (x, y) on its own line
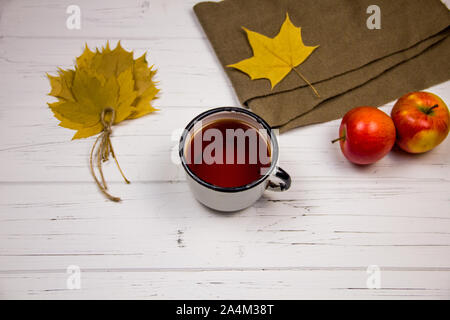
(314, 241)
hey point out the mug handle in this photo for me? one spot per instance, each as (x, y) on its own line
(284, 181)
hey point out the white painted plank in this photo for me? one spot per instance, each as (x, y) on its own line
(35, 148)
(117, 19)
(267, 284)
(47, 226)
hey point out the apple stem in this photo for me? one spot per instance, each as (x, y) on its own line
(340, 138)
(431, 109)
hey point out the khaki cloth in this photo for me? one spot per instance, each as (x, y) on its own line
(352, 66)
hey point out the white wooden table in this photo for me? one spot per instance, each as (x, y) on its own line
(314, 241)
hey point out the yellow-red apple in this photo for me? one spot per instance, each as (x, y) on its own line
(421, 120)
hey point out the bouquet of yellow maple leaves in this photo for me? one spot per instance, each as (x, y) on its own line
(105, 87)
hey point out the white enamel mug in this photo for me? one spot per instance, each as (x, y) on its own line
(234, 198)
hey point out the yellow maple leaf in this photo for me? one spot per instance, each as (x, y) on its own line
(274, 58)
(109, 62)
(146, 88)
(114, 62)
(102, 79)
(61, 86)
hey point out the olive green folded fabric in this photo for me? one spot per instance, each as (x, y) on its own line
(347, 67)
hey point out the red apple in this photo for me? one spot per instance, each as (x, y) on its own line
(366, 135)
(422, 121)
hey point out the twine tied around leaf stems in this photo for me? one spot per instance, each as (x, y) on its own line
(102, 152)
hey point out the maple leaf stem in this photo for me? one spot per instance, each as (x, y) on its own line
(117, 163)
(100, 157)
(306, 80)
(102, 152)
(100, 185)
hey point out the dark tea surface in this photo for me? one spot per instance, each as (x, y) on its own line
(222, 173)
